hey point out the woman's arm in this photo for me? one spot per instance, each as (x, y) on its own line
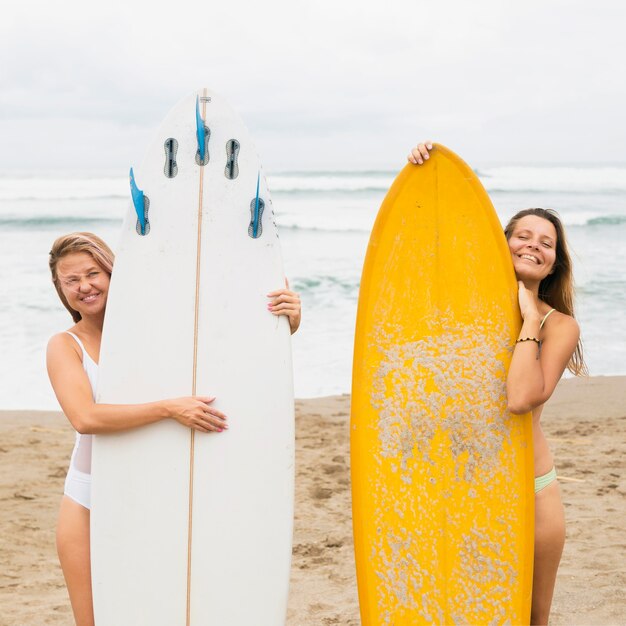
(534, 372)
(73, 391)
(286, 302)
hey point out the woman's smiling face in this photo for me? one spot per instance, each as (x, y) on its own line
(84, 283)
(533, 248)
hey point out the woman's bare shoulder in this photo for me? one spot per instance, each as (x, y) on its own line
(561, 325)
(62, 344)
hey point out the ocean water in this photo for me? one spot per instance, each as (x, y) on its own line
(324, 219)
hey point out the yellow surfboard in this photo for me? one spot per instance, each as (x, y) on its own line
(442, 473)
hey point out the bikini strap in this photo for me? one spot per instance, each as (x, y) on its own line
(543, 321)
(78, 341)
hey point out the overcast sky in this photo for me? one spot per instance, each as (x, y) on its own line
(321, 84)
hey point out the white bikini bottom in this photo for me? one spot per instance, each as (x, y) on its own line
(78, 487)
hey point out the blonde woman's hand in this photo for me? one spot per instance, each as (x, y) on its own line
(420, 153)
(196, 412)
(286, 302)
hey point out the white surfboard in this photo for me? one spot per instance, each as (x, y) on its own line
(196, 529)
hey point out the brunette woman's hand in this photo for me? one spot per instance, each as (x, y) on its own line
(286, 302)
(195, 412)
(527, 304)
(420, 153)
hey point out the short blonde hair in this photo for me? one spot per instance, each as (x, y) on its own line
(79, 242)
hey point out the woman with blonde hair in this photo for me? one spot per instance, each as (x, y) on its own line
(548, 342)
(81, 265)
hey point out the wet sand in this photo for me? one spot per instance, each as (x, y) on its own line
(585, 422)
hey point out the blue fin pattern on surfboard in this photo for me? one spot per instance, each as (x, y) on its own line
(141, 203)
(200, 132)
(255, 226)
(255, 230)
(138, 202)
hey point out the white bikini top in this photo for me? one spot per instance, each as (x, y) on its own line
(81, 455)
(89, 365)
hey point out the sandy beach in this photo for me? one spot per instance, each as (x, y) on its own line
(585, 422)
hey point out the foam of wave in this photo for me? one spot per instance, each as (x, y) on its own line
(53, 221)
(321, 227)
(341, 182)
(20, 189)
(554, 179)
(495, 179)
(71, 201)
(502, 178)
(302, 223)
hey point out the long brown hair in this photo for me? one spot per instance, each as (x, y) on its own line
(557, 288)
(78, 242)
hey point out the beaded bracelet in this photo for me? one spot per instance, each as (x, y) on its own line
(529, 339)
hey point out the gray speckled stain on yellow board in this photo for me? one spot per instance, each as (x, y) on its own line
(444, 391)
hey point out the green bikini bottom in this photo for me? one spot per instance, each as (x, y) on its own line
(541, 482)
